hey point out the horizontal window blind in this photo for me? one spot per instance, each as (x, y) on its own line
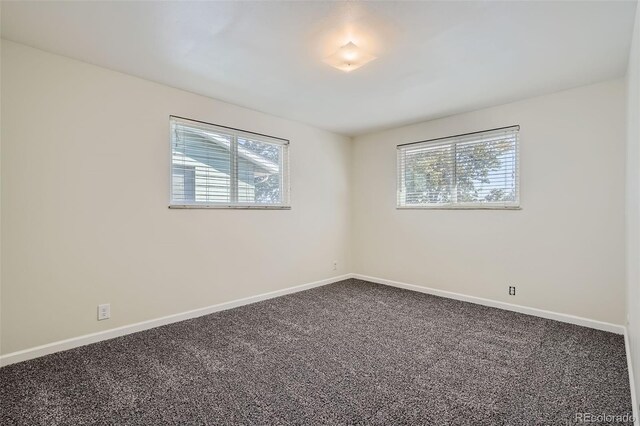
(476, 170)
(215, 166)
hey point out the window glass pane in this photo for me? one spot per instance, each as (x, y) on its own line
(486, 171)
(206, 156)
(428, 175)
(259, 172)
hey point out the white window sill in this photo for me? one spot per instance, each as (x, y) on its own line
(225, 206)
(458, 208)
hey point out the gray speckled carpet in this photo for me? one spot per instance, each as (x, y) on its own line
(347, 353)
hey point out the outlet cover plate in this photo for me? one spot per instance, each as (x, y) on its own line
(104, 312)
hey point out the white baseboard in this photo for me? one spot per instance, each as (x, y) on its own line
(75, 342)
(632, 384)
(63, 345)
(571, 319)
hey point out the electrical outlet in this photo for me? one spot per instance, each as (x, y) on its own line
(104, 312)
(335, 265)
(512, 290)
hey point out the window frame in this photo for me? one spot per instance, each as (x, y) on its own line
(285, 178)
(452, 141)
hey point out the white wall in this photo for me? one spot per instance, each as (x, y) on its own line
(564, 250)
(85, 220)
(0, 194)
(633, 199)
(85, 184)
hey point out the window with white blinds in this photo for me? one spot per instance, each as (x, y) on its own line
(476, 170)
(215, 166)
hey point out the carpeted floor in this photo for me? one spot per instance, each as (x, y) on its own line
(347, 353)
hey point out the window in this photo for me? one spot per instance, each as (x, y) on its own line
(215, 166)
(476, 170)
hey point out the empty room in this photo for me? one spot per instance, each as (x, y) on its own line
(319, 212)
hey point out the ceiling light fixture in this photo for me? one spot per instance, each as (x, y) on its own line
(349, 57)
